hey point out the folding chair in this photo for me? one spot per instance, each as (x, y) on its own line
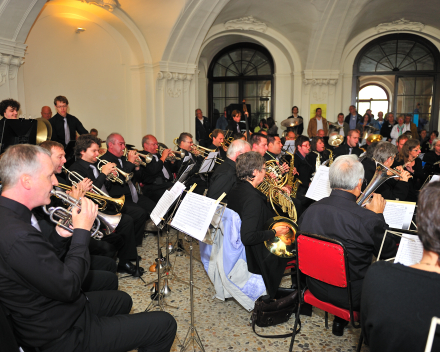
(324, 259)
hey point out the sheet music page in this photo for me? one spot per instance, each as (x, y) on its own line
(434, 178)
(289, 146)
(399, 214)
(409, 252)
(209, 163)
(320, 186)
(166, 201)
(194, 215)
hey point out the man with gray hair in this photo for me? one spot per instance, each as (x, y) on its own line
(360, 229)
(224, 176)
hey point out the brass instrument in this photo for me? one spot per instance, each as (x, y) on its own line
(335, 140)
(110, 176)
(273, 167)
(63, 217)
(284, 246)
(318, 160)
(374, 138)
(138, 159)
(330, 157)
(175, 155)
(100, 199)
(44, 130)
(379, 177)
(198, 150)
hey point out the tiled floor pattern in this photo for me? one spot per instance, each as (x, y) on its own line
(224, 326)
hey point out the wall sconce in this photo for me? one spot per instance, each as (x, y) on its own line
(79, 30)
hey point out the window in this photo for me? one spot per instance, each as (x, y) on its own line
(241, 71)
(373, 97)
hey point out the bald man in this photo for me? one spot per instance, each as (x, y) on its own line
(46, 112)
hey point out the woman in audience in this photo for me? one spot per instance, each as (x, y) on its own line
(251, 205)
(398, 129)
(273, 128)
(261, 126)
(399, 301)
(408, 159)
(427, 145)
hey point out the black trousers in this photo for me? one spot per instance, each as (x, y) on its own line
(102, 275)
(106, 326)
(102, 248)
(140, 212)
(156, 191)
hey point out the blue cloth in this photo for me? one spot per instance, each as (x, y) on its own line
(377, 124)
(353, 122)
(222, 123)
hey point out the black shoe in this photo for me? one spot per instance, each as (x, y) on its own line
(338, 326)
(128, 268)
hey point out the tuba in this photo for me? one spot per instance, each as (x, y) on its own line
(284, 246)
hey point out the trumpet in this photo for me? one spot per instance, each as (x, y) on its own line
(110, 176)
(63, 217)
(174, 155)
(147, 157)
(100, 199)
(198, 150)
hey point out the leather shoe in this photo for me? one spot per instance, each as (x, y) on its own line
(128, 268)
(338, 326)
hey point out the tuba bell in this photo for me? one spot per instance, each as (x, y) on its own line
(284, 246)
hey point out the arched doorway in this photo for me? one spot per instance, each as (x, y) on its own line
(412, 63)
(241, 71)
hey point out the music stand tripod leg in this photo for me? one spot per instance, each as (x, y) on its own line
(192, 335)
(137, 273)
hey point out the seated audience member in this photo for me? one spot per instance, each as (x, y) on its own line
(224, 177)
(398, 302)
(261, 126)
(185, 143)
(252, 207)
(393, 189)
(157, 176)
(432, 157)
(360, 229)
(259, 143)
(218, 138)
(428, 144)
(350, 146)
(48, 309)
(387, 126)
(273, 128)
(409, 161)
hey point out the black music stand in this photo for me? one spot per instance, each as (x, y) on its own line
(17, 131)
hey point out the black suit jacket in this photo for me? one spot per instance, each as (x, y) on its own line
(232, 126)
(202, 129)
(251, 205)
(223, 179)
(348, 117)
(359, 229)
(305, 167)
(344, 149)
(153, 174)
(58, 134)
(385, 131)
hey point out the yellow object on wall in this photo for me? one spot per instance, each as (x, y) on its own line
(313, 108)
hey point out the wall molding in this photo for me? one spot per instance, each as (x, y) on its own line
(246, 24)
(109, 5)
(400, 25)
(175, 82)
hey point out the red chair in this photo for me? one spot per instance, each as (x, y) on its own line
(324, 259)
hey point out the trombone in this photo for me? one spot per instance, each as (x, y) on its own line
(63, 217)
(100, 199)
(110, 176)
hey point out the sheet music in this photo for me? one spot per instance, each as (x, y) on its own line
(399, 214)
(434, 178)
(194, 215)
(208, 163)
(320, 186)
(289, 146)
(166, 201)
(410, 250)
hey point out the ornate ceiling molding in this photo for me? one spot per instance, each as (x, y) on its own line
(246, 24)
(109, 5)
(400, 25)
(176, 83)
(9, 65)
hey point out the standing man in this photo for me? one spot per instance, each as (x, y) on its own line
(222, 121)
(343, 127)
(317, 123)
(350, 146)
(157, 176)
(65, 126)
(224, 176)
(410, 126)
(353, 118)
(43, 294)
(387, 127)
(379, 122)
(46, 112)
(202, 129)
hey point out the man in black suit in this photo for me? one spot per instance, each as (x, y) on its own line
(202, 129)
(224, 176)
(353, 118)
(350, 146)
(157, 175)
(305, 168)
(65, 126)
(185, 143)
(235, 125)
(360, 229)
(86, 151)
(48, 309)
(218, 138)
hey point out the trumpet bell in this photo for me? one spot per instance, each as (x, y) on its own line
(284, 246)
(374, 138)
(335, 140)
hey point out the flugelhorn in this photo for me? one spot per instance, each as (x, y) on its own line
(79, 178)
(100, 199)
(110, 176)
(63, 217)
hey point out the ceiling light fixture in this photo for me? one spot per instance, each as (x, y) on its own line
(79, 30)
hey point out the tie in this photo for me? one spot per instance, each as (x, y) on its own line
(133, 192)
(96, 174)
(164, 170)
(351, 149)
(34, 223)
(66, 132)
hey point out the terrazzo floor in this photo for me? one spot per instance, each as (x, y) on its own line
(224, 326)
